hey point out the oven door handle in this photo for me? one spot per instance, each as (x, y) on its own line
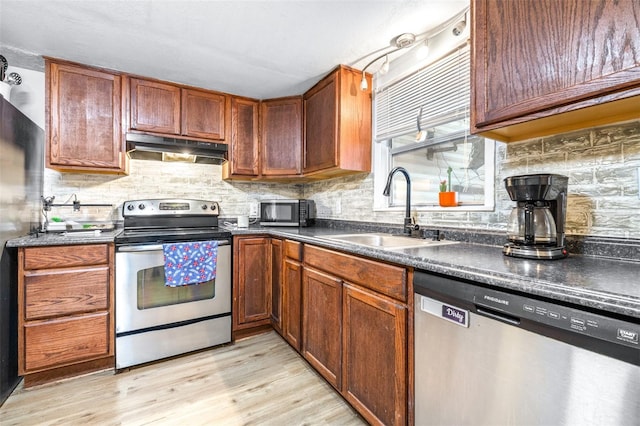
(155, 247)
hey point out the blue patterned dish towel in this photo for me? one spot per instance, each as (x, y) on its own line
(189, 263)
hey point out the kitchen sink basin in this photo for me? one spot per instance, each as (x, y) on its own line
(387, 241)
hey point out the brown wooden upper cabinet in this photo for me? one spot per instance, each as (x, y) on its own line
(244, 150)
(546, 67)
(266, 139)
(281, 137)
(165, 108)
(337, 125)
(84, 131)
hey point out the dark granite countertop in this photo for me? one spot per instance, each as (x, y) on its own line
(64, 238)
(598, 283)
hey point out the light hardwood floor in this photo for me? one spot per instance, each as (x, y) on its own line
(260, 380)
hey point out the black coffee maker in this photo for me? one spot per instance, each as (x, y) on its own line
(536, 225)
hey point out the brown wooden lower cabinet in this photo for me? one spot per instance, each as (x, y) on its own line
(65, 311)
(355, 322)
(277, 284)
(374, 355)
(251, 282)
(322, 323)
(292, 302)
(348, 316)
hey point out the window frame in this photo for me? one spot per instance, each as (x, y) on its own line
(382, 156)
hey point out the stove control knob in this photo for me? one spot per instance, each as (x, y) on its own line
(141, 206)
(213, 207)
(204, 207)
(130, 207)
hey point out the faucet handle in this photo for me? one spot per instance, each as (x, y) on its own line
(434, 234)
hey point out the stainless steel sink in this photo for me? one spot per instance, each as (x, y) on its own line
(387, 241)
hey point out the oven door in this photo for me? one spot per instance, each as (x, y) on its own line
(144, 302)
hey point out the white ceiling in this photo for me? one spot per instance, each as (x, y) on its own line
(260, 49)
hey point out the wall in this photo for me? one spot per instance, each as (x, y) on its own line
(602, 165)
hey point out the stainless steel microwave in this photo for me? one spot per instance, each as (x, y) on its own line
(287, 213)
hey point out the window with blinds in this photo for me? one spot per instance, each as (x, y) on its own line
(435, 95)
(422, 124)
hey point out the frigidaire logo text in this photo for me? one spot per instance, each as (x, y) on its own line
(496, 300)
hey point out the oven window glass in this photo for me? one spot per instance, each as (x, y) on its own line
(152, 293)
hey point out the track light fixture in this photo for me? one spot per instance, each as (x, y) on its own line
(406, 40)
(400, 42)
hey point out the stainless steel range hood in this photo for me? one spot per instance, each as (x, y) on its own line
(149, 147)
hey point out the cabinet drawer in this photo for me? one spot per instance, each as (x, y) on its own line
(66, 291)
(65, 341)
(65, 256)
(381, 277)
(293, 250)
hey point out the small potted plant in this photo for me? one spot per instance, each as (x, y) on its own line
(447, 197)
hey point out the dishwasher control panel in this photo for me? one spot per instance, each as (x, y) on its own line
(558, 316)
(460, 297)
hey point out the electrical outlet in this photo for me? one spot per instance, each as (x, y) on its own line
(253, 210)
(338, 206)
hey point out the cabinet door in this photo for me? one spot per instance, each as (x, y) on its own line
(321, 124)
(155, 106)
(292, 302)
(252, 282)
(281, 137)
(203, 114)
(322, 324)
(535, 56)
(244, 149)
(375, 356)
(84, 131)
(276, 284)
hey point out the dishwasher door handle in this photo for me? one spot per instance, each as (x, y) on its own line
(496, 315)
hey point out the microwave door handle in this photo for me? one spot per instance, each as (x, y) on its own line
(156, 247)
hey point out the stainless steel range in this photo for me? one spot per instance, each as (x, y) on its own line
(155, 320)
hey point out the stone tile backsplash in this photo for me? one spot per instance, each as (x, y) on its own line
(602, 165)
(153, 179)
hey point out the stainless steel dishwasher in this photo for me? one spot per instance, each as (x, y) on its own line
(487, 357)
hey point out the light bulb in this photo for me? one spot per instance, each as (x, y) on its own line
(385, 66)
(459, 27)
(363, 82)
(423, 50)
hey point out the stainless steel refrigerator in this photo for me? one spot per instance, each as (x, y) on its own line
(21, 181)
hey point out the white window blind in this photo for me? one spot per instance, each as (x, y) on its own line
(441, 89)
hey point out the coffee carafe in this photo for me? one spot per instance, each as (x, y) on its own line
(536, 225)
